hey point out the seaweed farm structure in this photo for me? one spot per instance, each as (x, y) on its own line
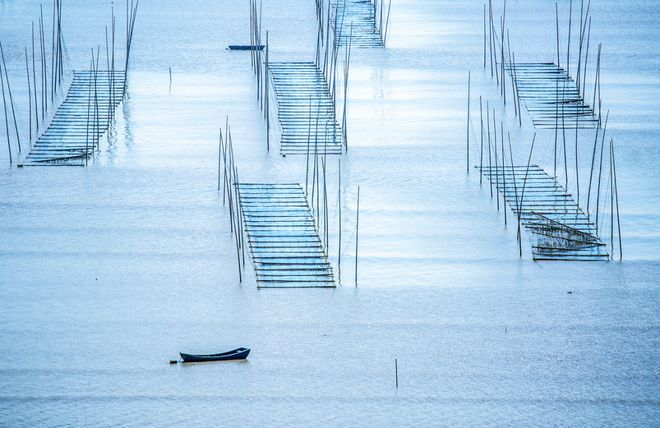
(304, 93)
(70, 134)
(560, 229)
(286, 248)
(361, 23)
(551, 96)
(286, 238)
(85, 115)
(305, 109)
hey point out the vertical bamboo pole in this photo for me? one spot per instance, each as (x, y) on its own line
(481, 150)
(357, 232)
(600, 173)
(490, 35)
(518, 202)
(219, 156)
(339, 206)
(515, 77)
(387, 23)
(11, 99)
(557, 25)
(267, 79)
(27, 70)
(586, 62)
(4, 105)
(497, 165)
(503, 79)
(490, 164)
(611, 205)
(44, 99)
(34, 83)
(616, 194)
(467, 141)
(484, 36)
(503, 173)
(568, 49)
(396, 373)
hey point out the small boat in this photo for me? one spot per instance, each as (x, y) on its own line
(246, 47)
(236, 354)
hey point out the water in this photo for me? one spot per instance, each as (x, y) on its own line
(106, 272)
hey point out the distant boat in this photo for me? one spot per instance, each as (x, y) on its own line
(246, 47)
(236, 354)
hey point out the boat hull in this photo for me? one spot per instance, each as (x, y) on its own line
(236, 354)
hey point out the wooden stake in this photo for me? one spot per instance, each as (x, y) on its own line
(396, 373)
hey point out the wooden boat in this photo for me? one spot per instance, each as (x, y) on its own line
(236, 354)
(246, 47)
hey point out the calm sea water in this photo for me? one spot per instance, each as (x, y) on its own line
(107, 272)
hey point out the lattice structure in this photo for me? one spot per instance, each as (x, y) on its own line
(283, 237)
(560, 229)
(305, 109)
(83, 117)
(551, 96)
(354, 21)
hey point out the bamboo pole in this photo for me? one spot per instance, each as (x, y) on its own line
(490, 35)
(586, 62)
(616, 194)
(568, 49)
(219, 157)
(357, 231)
(518, 203)
(511, 70)
(517, 93)
(11, 99)
(522, 196)
(267, 79)
(34, 83)
(611, 205)
(484, 36)
(503, 79)
(490, 165)
(339, 207)
(467, 141)
(387, 23)
(481, 150)
(503, 177)
(600, 173)
(89, 103)
(44, 99)
(557, 25)
(4, 105)
(591, 173)
(27, 70)
(52, 54)
(497, 175)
